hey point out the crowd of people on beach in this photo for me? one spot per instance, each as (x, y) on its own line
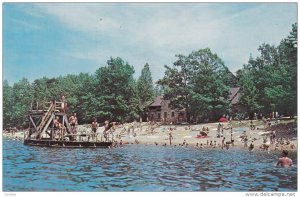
(135, 128)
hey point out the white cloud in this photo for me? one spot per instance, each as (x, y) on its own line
(80, 16)
(25, 25)
(156, 32)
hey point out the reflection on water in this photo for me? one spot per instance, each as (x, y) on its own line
(142, 168)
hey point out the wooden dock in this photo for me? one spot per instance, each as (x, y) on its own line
(67, 144)
(42, 131)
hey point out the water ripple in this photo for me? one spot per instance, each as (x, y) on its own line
(142, 168)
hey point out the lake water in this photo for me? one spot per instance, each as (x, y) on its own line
(143, 168)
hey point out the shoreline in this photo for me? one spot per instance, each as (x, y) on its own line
(147, 134)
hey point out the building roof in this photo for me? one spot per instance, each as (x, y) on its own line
(157, 101)
(234, 95)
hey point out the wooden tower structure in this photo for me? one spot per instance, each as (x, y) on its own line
(41, 118)
(42, 130)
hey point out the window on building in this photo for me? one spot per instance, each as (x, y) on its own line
(158, 115)
(165, 114)
(173, 114)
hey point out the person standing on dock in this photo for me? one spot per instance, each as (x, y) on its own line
(106, 128)
(95, 126)
(56, 125)
(64, 104)
(73, 123)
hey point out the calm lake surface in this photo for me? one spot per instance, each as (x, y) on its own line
(143, 168)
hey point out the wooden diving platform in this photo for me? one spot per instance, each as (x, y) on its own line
(43, 132)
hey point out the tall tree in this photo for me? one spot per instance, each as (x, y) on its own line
(8, 103)
(115, 91)
(249, 93)
(211, 83)
(145, 89)
(274, 75)
(199, 83)
(22, 97)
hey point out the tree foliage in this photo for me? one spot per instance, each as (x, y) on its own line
(116, 91)
(269, 82)
(145, 89)
(199, 83)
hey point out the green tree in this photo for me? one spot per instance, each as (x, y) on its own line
(158, 90)
(274, 75)
(22, 97)
(145, 89)
(116, 98)
(211, 83)
(199, 83)
(8, 104)
(249, 93)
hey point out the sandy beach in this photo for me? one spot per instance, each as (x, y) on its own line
(145, 133)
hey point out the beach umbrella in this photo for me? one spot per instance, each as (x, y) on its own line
(223, 119)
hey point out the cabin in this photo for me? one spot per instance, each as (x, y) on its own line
(234, 98)
(161, 111)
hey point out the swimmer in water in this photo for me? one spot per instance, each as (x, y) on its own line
(251, 147)
(284, 161)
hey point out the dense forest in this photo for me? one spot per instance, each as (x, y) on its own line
(199, 82)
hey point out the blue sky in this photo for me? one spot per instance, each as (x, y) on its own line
(53, 39)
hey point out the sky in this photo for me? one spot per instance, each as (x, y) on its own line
(56, 39)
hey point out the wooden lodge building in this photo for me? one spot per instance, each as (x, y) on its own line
(160, 110)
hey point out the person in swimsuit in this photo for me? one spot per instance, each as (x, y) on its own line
(223, 142)
(251, 147)
(64, 103)
(73, 122)
(95, 126)
(106, 130)
(246, 142)
(273, 136)
(284, 161)
(57, 125)
(170, 136)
